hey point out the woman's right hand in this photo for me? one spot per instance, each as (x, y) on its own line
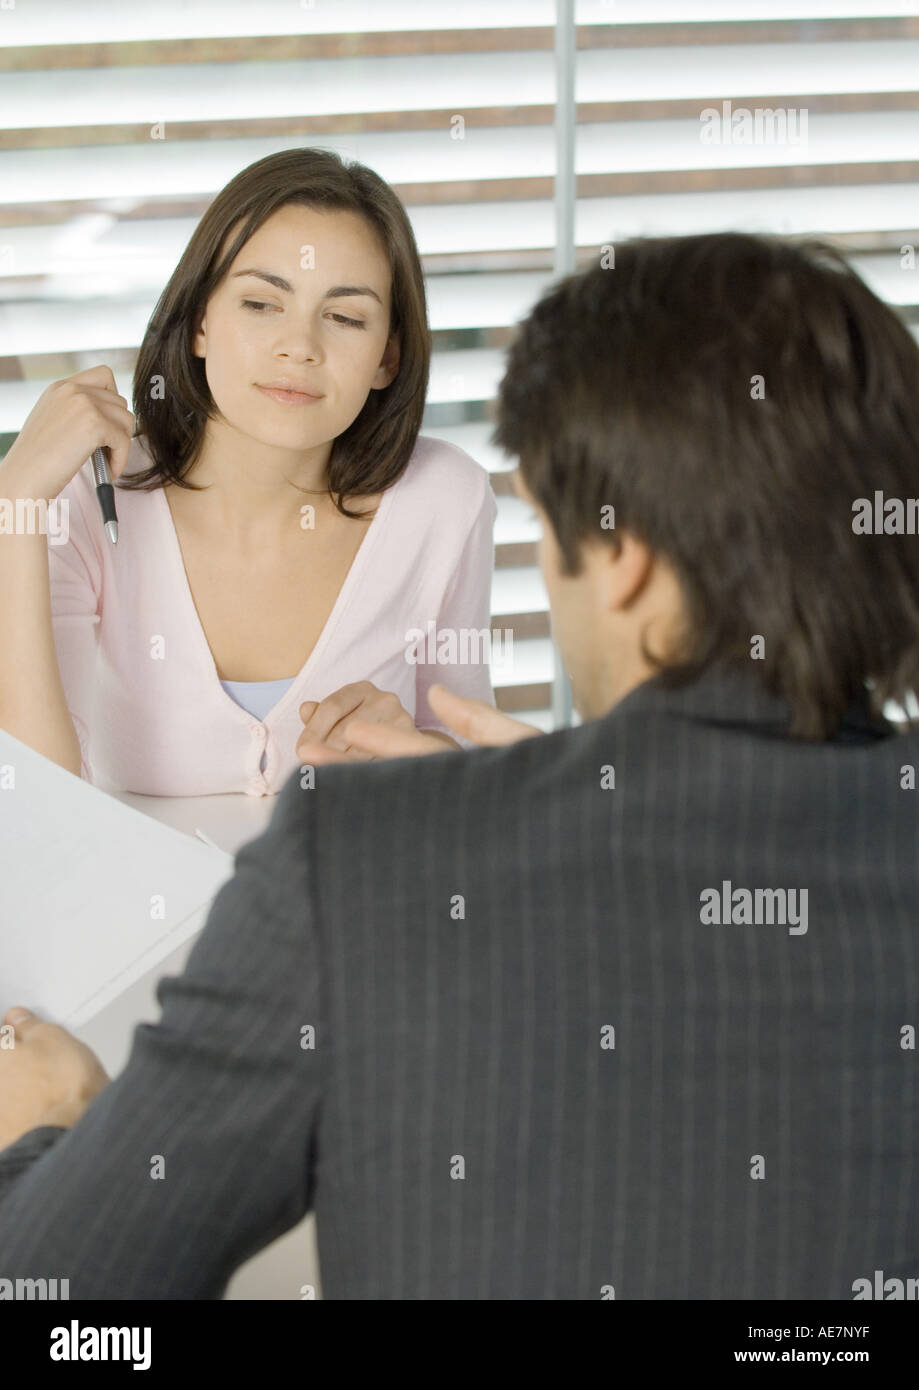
(70, 419)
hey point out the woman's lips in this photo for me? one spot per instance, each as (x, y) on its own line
(288, 397)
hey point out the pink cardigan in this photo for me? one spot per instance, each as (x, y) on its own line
(138, 675)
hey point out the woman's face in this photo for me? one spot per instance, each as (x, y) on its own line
(323, 326)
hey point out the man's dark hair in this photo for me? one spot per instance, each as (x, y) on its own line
(731, 397)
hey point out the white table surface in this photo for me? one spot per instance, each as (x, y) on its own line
(289, 1267)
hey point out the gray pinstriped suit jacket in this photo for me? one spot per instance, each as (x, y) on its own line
(462, 932)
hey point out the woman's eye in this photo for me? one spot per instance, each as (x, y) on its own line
(259, 307)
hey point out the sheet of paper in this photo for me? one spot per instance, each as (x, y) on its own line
(93, 894)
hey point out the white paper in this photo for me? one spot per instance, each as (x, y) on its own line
(93, 894)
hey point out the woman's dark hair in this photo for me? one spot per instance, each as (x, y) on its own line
(372, 453)
(731, 397)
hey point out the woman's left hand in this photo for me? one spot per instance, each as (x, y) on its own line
(325, 731)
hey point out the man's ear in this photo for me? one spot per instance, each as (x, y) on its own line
(389, 364)
(623, 566)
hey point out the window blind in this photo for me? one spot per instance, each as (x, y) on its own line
(118, 125)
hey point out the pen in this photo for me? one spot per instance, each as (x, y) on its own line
(105, 493)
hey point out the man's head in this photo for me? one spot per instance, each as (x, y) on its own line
(695, 427)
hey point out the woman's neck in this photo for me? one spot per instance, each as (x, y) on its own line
(255, 487)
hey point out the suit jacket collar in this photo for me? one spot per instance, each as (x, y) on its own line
(732, 700)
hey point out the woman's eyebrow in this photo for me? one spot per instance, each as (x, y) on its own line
(337, 292)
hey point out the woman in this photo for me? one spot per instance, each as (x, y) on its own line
(282, 525)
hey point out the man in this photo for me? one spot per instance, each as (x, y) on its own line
(627, 1010)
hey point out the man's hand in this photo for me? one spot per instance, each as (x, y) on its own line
(471, 719)
(327, 725)
(47, 1076)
